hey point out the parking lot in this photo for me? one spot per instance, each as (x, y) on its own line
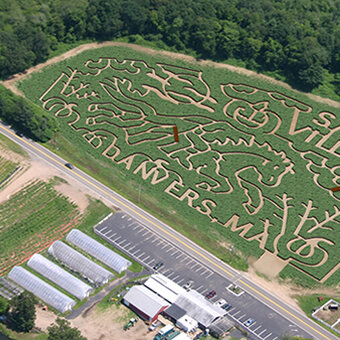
(145, 246)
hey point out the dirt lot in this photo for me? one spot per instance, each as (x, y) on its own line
(101, 325)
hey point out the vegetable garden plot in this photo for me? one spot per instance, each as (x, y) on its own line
(7, 169)
(255, 160)
(31, 220)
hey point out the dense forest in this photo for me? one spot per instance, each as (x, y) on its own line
(297, 41)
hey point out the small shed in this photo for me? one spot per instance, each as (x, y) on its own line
(145, 303)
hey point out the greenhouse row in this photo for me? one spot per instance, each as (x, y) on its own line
(41, 289)
(79, 263)
(97, 250)
(59, 276)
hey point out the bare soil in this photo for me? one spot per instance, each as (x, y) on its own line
(11, 83)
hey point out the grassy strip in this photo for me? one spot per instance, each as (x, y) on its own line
(7, 143)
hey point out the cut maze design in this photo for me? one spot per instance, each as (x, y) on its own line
(256, 163)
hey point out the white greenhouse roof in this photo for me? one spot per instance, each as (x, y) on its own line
(187, 323)
(79, 263)
(145, 300)
(169, 284)
(161, 290)
(199, 308)
(59, 276)
(41, 289)
(99, 251)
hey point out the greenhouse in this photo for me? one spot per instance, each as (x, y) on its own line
(59, 276)
(41, 289)
(79, 263)
(100, 252)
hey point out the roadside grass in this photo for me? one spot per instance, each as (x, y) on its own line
(7, 143)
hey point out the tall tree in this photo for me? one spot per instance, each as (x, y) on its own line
(62, 330)
(22, 315)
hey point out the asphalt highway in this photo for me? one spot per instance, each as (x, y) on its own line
(302, 323)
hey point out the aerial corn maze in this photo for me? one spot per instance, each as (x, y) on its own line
(254, 161)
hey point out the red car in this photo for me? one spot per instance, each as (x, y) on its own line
(210, 294)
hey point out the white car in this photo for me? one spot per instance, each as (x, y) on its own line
(220, 302)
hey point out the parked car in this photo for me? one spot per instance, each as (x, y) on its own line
(220, 302)
(157, 265)
(249, 322)
(188, 285)
(69, 165)
(211, 294)
(227, 306)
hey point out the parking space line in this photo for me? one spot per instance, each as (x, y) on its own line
(263, 331)
(144, 260)
(154, 240)
(165, 245)
(146, 232)
(103, 229)
(174, 253)
(134, 254)
(197, 289)
(149, 263)
(199, 268)
(204, 291)
(241, 317)
(252, 324)
(131, 248)
(236, 313)
(183, 259)
(140, 230)
(115, 240)
(139, 256)
(128, 244)
(267, 335)
(180, 281)
(123, 216)
(105, 234)
(209, 275)
(129, 219)
(169, 249)
(274, 338)
(134, 228)
(174, 278)
(178, 256)
(257, 328)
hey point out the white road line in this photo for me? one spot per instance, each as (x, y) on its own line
(199, 268)
(140, 230)
(178, 256)
(236, 314)
(134, 228)
(169, 249)
(183, 259)
(241, 317)
(128, 244)
(274, 338)
(131, 248)
(231, 310)
(149, 263)
(123, 216)
(257, 328)
(263, 331)
(189, 262)
(180, 281)
(147, 232)
(174, 278)
(134, 254)
(144, 260)
(103, 229)
(173, 254)
(199, 287)
(109, 233)
(207, 277)
(165, 245)
(267, 335)
(167, 270)
(154, 240)
(115, 240)
(139, 256)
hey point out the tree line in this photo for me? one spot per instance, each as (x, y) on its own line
(25, 117)
(297, 39)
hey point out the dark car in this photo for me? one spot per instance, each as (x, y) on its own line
(157, 265)
(69, 165)
(210, 294)
(20, 134)
(227, 306)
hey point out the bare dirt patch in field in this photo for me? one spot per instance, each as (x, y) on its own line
(269, 265)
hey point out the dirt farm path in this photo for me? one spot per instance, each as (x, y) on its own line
(11, 83)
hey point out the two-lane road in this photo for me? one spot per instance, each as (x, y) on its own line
(302, 324)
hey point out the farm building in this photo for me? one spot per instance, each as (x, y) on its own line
(164, 287)
(199, 308)
(79, 263)
(41, 289)
(145, 303)
(59, 276)
(220, 327)
(187, 323)
(100, 252)
(174, 313)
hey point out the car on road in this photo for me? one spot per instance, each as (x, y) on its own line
(220, 302)
(188, 285)
(249, 322)
(20, 134)
(157, 265)
(227, 306)
(211, 294)
(69, 165)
